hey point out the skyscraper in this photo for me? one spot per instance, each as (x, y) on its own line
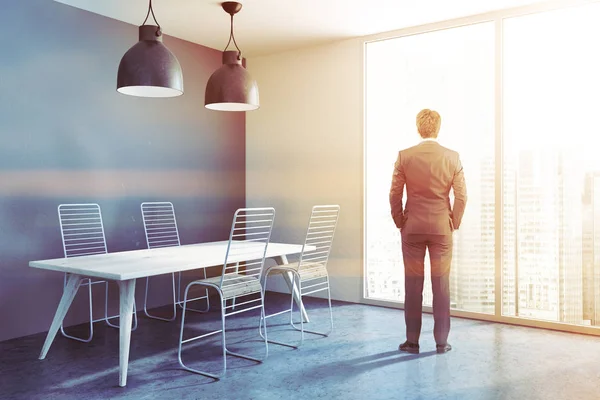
(509, 240)
(472, 279)
(548, 237)
(590, 252)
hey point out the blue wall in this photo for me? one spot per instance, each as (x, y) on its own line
(67, 136)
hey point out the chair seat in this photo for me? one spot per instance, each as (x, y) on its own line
(235, 285)
(307, 272)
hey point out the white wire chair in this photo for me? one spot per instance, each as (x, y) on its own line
(240, 278)
(160, 227)
(82, 233)
(310, 272)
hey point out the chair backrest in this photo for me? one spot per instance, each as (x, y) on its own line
(321, 228)
(81, 229)
(160, 224)
(248, 240)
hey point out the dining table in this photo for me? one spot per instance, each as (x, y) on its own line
(126, 266)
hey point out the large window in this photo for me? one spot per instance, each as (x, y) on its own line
(451, 71)
(551, 166)
(544, 258)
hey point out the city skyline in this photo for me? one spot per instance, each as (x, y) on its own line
(548, 243)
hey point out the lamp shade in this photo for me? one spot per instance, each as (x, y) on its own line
(149, 69)
(231, 88)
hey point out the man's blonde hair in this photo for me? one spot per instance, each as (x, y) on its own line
(428, 123)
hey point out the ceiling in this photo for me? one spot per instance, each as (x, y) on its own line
(270, 26)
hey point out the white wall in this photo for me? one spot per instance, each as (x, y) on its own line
(304, 146)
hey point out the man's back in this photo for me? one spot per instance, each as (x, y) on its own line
(429, 171)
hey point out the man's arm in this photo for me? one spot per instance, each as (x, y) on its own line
(397, 193)
(459, 188)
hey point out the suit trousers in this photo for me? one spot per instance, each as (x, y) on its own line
(440, 255)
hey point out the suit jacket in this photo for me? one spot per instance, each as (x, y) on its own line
(428, 170)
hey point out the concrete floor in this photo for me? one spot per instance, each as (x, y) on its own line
(358, 361)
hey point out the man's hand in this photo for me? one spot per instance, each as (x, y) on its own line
(397, 194)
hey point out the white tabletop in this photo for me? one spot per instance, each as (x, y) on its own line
(133, 264)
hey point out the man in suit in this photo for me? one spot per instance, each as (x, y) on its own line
(428, 170)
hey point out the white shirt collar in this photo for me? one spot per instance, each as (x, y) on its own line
(429, 139)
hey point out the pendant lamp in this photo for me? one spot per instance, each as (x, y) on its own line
(231, 88)
(149, 69)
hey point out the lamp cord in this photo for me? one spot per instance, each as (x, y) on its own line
(232, 37)
(150, 10)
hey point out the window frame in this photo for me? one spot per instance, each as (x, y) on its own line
(497, 17)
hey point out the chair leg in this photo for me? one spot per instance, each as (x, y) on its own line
(262, 317)
(330, 309)
(299, 283)
(223, 337)
(135, 318)
(290, 310)
(237, 270)
(91, 321)
(330, 315)
(182, 341)
(179, 289)
(172, 318)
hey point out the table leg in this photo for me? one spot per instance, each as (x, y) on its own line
(289, 278)
(69, 291)
(127, 297)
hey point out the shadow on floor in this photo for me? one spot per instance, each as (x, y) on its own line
(359, 360)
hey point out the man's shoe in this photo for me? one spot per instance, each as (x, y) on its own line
(443, 348)
(409, 347)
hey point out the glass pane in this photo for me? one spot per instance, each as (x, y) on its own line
(551, 167)
(452, 72)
